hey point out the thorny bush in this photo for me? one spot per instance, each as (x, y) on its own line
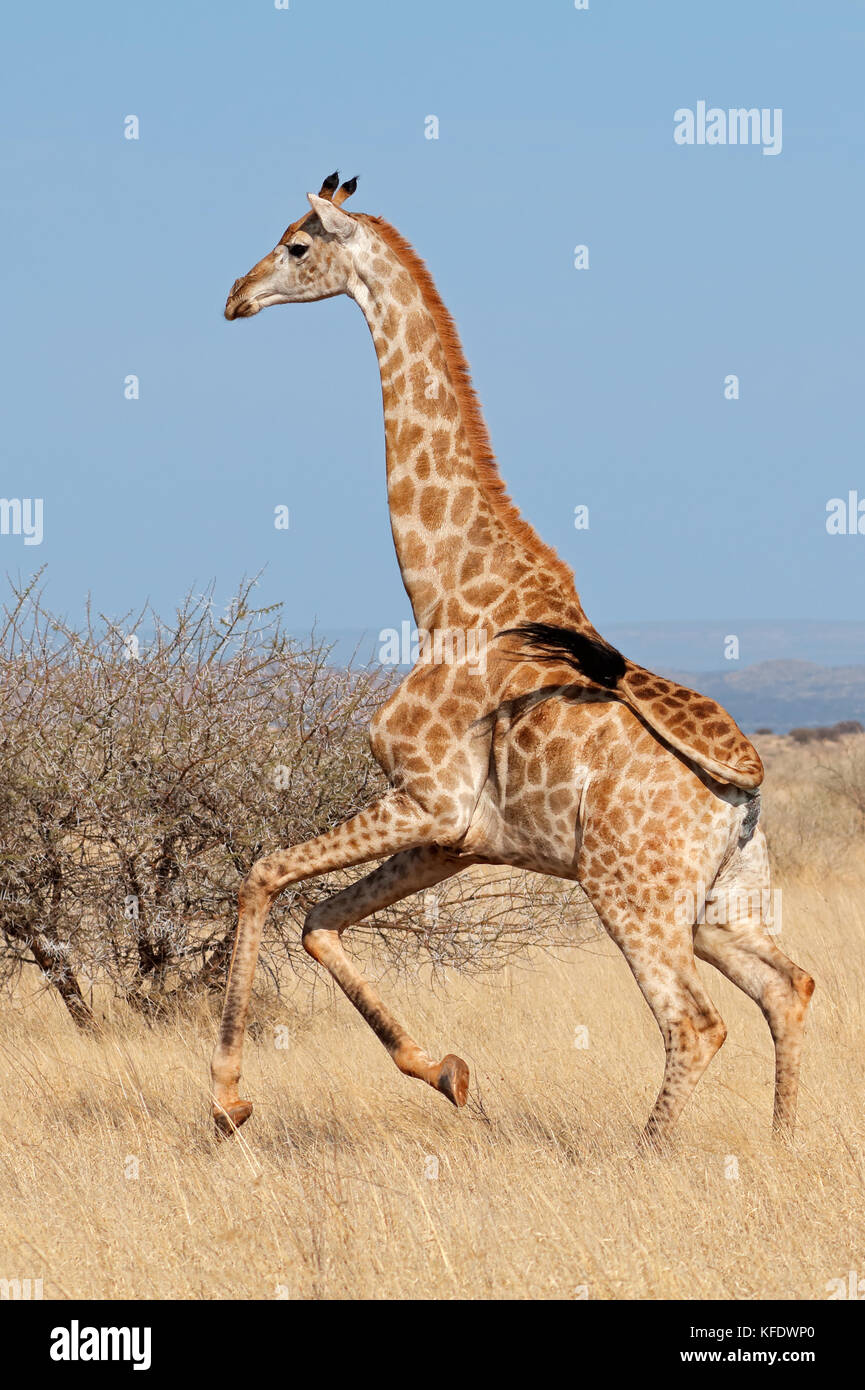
(146, 764)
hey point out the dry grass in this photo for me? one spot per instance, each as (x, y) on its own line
(325, 1194)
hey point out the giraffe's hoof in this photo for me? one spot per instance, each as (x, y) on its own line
(453, 1080)
(230, 1118)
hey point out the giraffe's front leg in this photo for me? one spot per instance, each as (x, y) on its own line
(395, 822)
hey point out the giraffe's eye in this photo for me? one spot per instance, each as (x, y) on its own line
(299, 249)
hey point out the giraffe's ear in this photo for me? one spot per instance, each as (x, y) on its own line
(332, 218)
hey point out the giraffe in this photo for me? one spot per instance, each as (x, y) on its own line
(559, 755)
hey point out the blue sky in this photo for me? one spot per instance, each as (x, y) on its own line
(601, 387)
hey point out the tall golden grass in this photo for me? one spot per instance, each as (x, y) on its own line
(352, 1182)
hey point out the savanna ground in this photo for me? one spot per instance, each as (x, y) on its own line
(353, 1182)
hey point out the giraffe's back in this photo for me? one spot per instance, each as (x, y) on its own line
(693, 724)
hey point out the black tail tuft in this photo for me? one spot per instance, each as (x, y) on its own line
(591, 656)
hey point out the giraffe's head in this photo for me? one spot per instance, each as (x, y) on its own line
(312, 260)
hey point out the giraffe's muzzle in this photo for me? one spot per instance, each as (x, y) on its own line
(240, 304)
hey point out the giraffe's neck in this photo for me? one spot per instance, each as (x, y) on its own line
(466, 557)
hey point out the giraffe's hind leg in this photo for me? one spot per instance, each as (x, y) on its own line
(402, 875)
(661, 956)
(734, 938)
(692, 1030)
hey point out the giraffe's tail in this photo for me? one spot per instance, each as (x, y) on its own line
(692, 724)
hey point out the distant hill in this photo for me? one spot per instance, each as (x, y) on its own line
(780, 695)
(700, 646)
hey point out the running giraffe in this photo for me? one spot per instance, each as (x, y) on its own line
(560, 756)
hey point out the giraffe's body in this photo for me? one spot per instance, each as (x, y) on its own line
(553, 753)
